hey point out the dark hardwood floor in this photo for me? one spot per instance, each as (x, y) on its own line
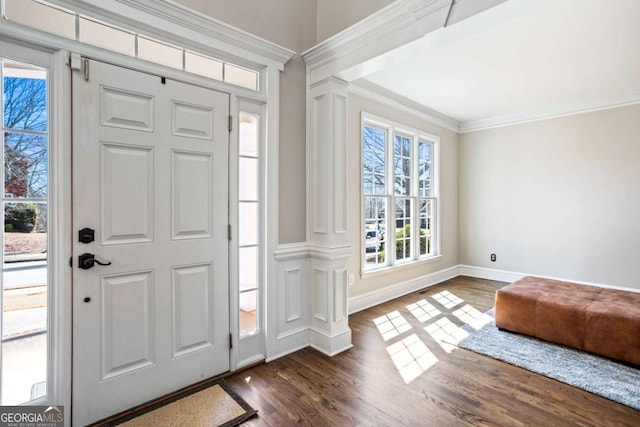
(362, 386)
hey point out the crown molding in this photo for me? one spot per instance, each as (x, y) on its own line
(402, 22)
(170, 20)
(549, 113)
(376, 93)
(379, 94)
(398, 20)
(385, 37)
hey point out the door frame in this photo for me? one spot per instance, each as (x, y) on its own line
(171, 22)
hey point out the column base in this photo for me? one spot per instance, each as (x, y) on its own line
(330, 345)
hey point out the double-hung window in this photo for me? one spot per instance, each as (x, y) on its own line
(400, 194)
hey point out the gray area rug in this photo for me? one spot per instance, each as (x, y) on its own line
(594, 374)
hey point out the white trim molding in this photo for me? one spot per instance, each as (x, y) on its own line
(366, 46)
(549, 113)
(379, 296)
(512, 276)
(391, 27)
(373, 92)
(291, 251)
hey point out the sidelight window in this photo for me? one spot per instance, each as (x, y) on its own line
(25, 287)
(249, 206)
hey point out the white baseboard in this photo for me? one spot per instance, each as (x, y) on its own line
(286, 352)
(490, 273)
(370, 299)
(511, 276)
(287, 343)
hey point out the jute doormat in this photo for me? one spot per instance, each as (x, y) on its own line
(210, 404)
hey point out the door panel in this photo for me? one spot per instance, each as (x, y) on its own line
(193, 306)
(150, 174)
(191, 194)
(127, 216)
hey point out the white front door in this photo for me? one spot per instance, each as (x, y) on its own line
(150, 176)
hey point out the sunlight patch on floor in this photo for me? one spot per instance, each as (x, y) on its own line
(446, 333)
(472, 317)
(440, 319)
(391, 325)
(411, 357)
(423, 311)
(447, 299)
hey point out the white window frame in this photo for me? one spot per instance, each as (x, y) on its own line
(392, 129)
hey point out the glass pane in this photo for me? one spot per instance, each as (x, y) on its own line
(249, 134)
(160, 53)
(25, 165)
(203, 65)
(240, 77)
(426, 215)
(379, 184)
(375, 231)
(248, 263)
(368, 183)
(25, 97)
(374, 160)
(106, 36)
(248, 223)
(403, 229)
(402, 165)
(424, 169)
(424, 151)
(24, 303)
(248, 182)
(248, 318)
(42, 17)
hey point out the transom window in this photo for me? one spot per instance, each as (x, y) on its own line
(399, 191)
(53, 19)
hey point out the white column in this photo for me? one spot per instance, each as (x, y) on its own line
(327, 216)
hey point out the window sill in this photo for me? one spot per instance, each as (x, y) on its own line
(395, 268)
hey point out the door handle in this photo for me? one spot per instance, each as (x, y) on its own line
(87, 261)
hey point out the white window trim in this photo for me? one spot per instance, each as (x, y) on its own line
(392, 128)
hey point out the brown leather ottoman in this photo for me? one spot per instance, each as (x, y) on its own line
(599, 320)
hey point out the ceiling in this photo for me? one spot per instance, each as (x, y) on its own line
(524, 59)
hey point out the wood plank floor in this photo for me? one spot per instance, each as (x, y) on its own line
(362, 386)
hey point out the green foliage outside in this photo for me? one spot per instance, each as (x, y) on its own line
(20, 217)
(401, 233)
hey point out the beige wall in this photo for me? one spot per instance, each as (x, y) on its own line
(559, 197)
(448, 200)
(292, 24)
(336, 15)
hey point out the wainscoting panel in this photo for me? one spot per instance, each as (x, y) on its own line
(291, 309)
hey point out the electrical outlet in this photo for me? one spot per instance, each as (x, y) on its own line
(351, 280)
(493, 258)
